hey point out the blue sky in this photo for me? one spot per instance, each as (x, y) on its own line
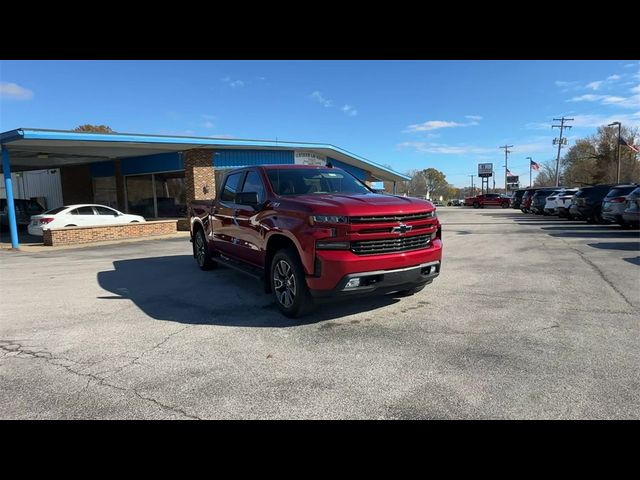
(450, 115)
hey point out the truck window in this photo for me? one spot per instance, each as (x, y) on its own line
(253, 183)
(231, 187)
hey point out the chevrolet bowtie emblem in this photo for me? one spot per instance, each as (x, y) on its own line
(402, 228)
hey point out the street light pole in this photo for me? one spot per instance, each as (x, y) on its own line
(472, 192)
(618, 152)
(530, 160)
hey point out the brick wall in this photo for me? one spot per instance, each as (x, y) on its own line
(76, 235)
(198, 174)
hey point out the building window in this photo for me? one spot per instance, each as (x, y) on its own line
(104, 191)
(158, 195)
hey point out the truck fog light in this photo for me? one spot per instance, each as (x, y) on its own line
(354, 282)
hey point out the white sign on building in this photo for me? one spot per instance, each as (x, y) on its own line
(309, 158)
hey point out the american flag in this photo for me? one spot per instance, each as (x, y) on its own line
(509, 173)
(632, 147)
(534, 165)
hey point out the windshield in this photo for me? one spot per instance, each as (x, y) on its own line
(314, 182)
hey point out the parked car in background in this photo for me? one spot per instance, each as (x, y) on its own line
(563, 202)
(86, 215)
(539, 198)
(525, 203)
(456, 202)
(552, 202)
(631, 214)
(24, 210)
(615, 203)
(438, 203)
(587, 203)
(487, 200)
(516, 199)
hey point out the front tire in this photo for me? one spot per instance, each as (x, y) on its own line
(288, 284)
(476, 205)
(505, 205)
(201, 252)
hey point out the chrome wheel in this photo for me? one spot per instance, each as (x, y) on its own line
(284, 283)
(201, 253)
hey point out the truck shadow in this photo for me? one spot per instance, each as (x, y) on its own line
(173, 288)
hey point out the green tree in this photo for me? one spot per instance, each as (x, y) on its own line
(93, 128)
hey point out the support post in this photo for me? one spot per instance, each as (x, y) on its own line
(13, 225)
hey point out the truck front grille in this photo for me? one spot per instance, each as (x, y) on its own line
(386, 245)
(393, 218)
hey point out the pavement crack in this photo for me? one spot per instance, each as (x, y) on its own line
(166, 407)
(11, 346)
(601, 274)
(146, 352)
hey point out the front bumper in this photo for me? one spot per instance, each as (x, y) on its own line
(383, 281)
(332, 266)
(551, 211)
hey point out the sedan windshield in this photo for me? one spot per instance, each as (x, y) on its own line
(314, 182)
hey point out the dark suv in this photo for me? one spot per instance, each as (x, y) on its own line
(539, 198)
(615, 202)
(587, 203)
(24, 210)
(525, 203)
(516, 200)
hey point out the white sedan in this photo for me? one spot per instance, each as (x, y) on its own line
(85, 215)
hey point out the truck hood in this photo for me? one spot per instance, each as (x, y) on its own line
(360, 205)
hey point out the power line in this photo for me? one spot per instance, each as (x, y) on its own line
(560, 142)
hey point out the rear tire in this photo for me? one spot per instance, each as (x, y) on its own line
(201, 252)
(505, 205)
(476, 205)
(289, 285)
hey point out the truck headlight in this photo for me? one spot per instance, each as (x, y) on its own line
(328, 219)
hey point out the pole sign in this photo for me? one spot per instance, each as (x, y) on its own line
(513, 179)
(485, 169)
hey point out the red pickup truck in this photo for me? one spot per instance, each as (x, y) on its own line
(487, 200)
(310, 232)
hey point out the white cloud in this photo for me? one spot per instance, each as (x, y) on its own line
(625, 102)
(349, 110)
(636, 89)
(586, 98)
(208, 117)
(613, 78)
(594, 85)
(233, 83)
(436, 124)
(562, 83)
(473, 117)
(14, 91)
(317, 96)
(208, 124)
(629, 65)
(221, 135)
(542, 145)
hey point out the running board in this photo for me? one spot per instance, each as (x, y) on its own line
(240, 267)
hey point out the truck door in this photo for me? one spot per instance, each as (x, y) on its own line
(223, 228)
(248, 231)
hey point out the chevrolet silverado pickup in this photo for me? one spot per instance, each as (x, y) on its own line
(310, 232)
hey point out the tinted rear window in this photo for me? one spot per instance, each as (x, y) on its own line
(620, 192)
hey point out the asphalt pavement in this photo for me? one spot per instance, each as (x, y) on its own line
(531, 317)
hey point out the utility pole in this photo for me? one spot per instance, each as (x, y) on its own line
(472, 192)
(506, 157)
(618, 152)
(560, 141)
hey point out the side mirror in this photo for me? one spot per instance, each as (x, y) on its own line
(247, 198)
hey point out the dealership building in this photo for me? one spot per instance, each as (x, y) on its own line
(150, 175)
